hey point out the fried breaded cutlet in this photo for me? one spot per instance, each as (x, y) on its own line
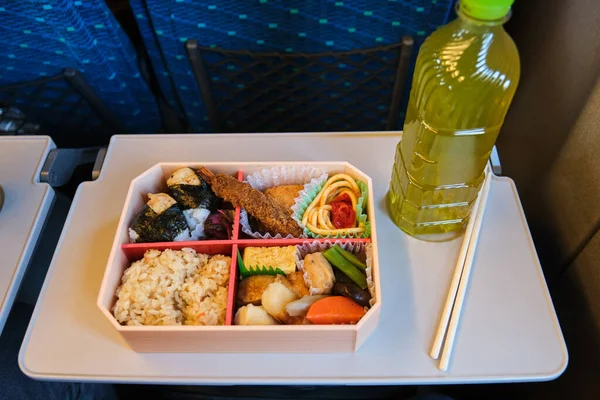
(284, 194)
(273, 215)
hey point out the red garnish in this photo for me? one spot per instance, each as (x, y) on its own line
(342, 214)
(343, 197)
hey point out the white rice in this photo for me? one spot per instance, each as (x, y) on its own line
(184, 236)
(133, 235)
(174, 287)
(195, 218)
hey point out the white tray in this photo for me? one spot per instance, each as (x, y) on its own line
(508, 332)
(26, 204)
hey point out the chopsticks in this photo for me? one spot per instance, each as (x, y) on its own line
(458, 287)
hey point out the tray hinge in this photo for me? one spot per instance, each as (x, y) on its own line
(495, 162)
(61, 163)
(100, 156)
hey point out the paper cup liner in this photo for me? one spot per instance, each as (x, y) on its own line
(364, 251)
(303, 202)
(276, 176)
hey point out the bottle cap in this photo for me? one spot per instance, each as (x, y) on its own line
(487, 10)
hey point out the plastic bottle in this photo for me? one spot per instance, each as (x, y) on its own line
(465, 78)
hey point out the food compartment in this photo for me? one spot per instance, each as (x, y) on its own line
(301, 281)
(172, 203)
(169, 286)
(345, 213)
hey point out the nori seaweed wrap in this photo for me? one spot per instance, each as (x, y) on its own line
(190, 196)
(191, 191)
(161, 220)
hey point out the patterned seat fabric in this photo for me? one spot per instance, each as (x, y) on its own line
(39, 38)
(292, 26)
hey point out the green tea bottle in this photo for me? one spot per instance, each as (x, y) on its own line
(465, 78)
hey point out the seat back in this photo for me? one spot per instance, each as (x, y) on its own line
(267, 26)
(246, 91)
(38, 39)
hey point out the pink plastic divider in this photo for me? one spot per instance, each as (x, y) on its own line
(236, 219)
(292, 242)
(233, 281)
(236, 224)
(135, 251)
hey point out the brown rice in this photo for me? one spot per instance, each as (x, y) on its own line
(174, 287)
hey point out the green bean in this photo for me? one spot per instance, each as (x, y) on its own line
(351, 257)
(345, 266)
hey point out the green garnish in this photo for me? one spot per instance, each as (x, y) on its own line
(257, 270)
(336, 259)
(246, 272)
(351, 257)
(240, 260)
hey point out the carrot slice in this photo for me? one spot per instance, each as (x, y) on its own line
(335, 310)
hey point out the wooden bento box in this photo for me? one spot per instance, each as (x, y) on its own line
(306, 338)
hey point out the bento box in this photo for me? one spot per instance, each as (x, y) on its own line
(199, 291)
